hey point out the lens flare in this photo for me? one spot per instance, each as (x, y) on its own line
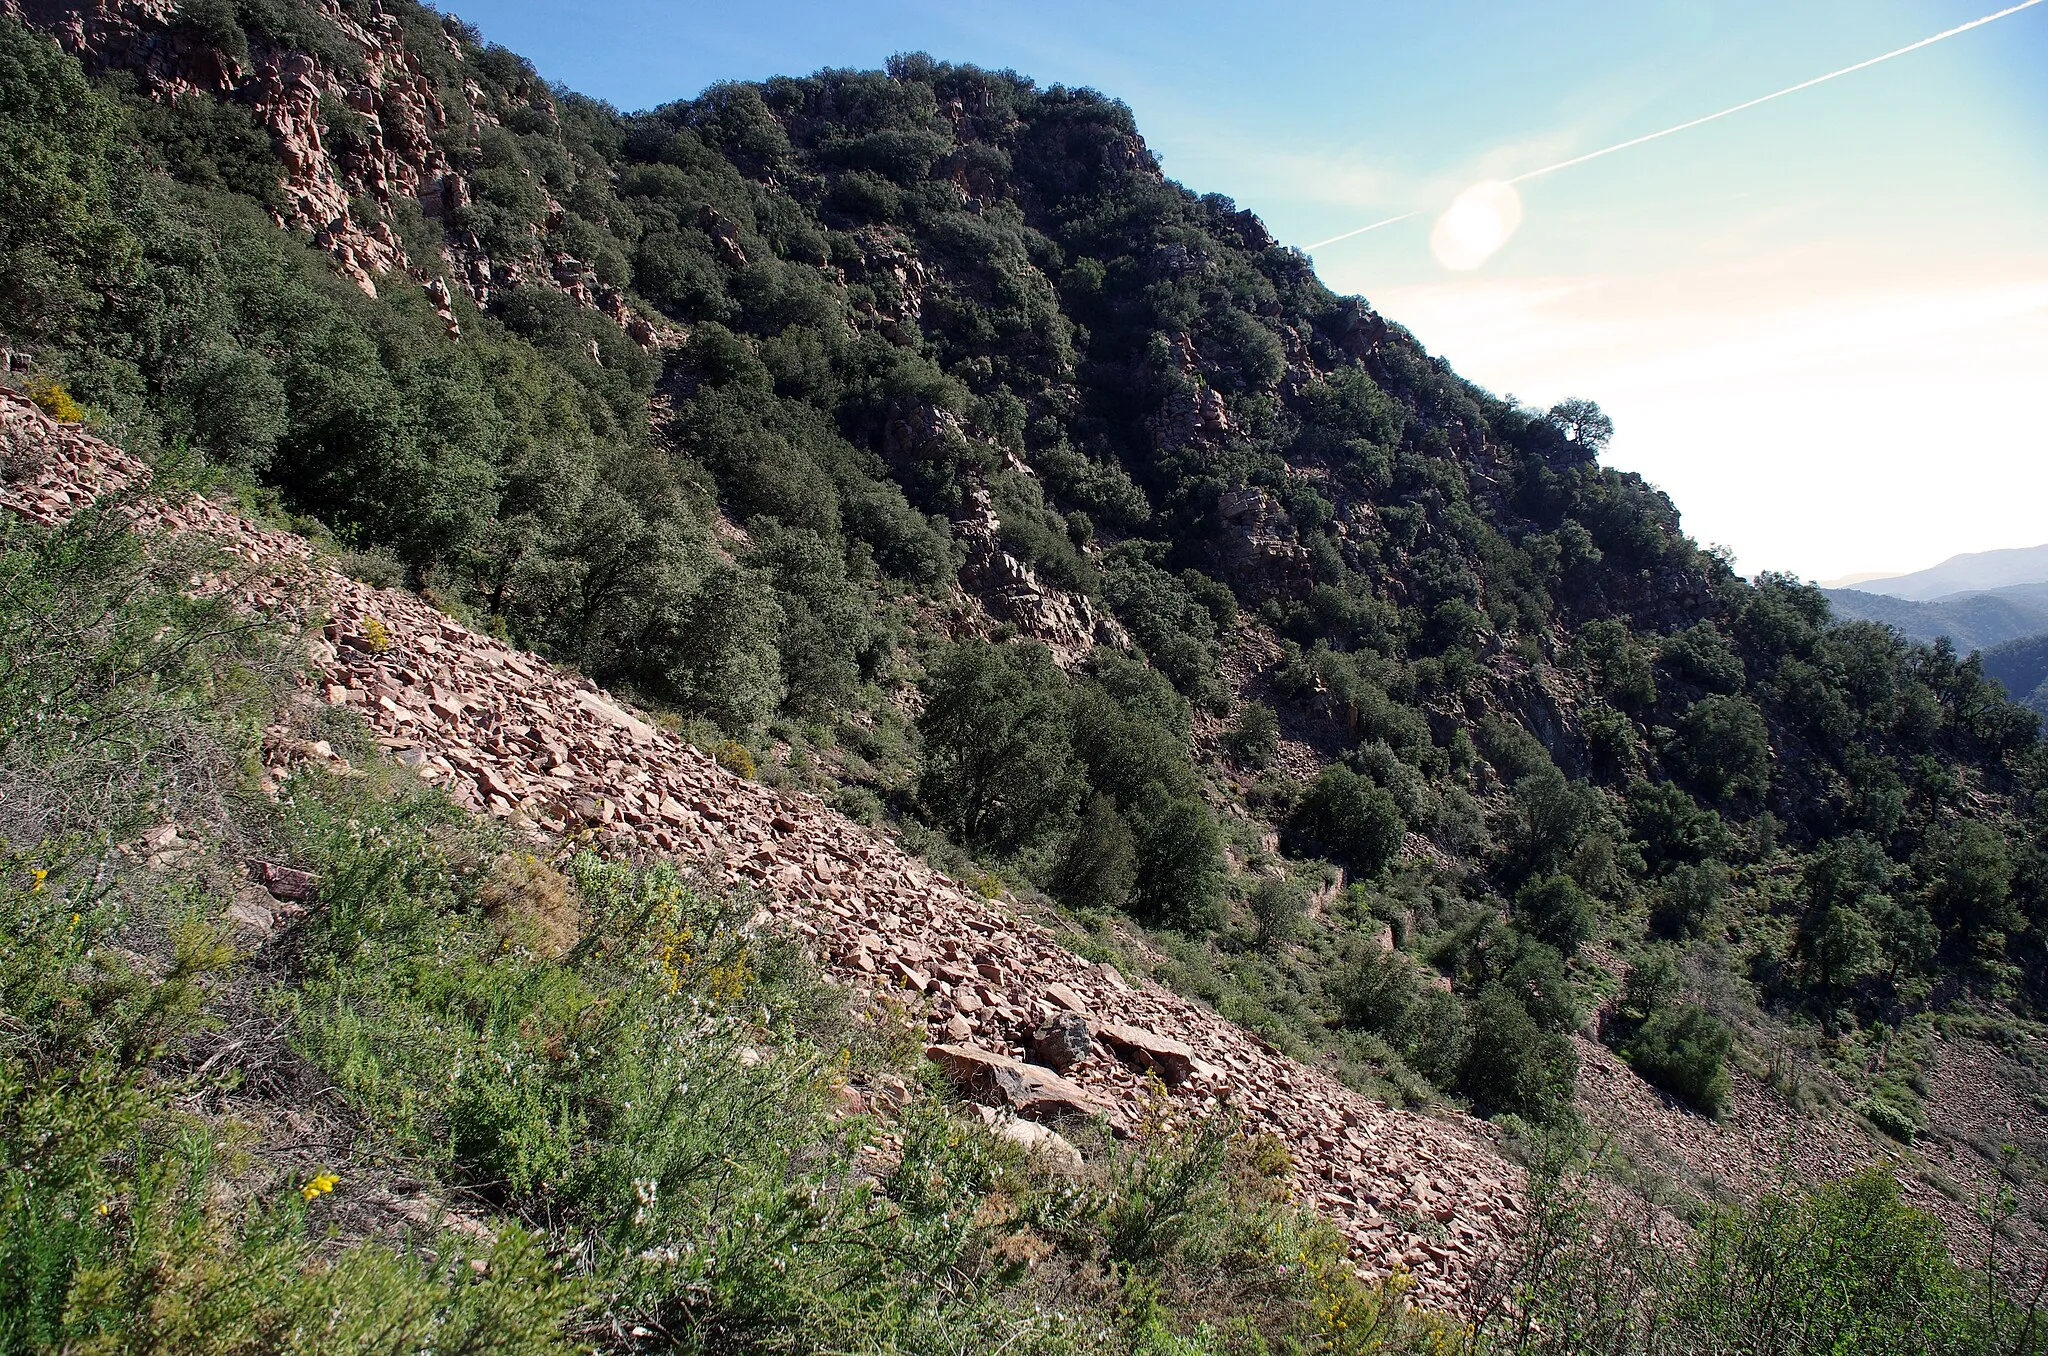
(1476, 224)
(1632, 142)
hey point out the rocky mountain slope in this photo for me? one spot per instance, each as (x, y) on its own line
(505, 734)
(911, 438)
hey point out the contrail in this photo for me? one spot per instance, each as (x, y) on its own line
(1713, 117)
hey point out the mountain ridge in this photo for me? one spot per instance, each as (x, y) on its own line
(1970, 572)
(1973, 621)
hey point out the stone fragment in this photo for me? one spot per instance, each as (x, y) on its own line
(1024, 1088)
(1033, 1138)
(1148, 1050)
(639, 730)
(284, 882)
(253, 908)
(1060, 996)
(1062, 1042)
(890, 1090)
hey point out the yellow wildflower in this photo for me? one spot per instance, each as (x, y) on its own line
(41, 874)
(319, 1186)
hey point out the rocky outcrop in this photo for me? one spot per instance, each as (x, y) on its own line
(1010, 591)
(922, 433)
(1258, 546)
(505, 734)
(368, 137)
(393, 111)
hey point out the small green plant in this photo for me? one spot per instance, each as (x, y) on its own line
(1890, 1117)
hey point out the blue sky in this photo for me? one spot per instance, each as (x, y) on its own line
(1821, 324)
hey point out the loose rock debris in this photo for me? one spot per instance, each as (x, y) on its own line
(506, 734)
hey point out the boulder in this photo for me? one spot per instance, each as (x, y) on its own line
(1148, 1050)
(253, 908)
(1032, 1138)
(1062, 1042)
(284, 882)
(1060, 996)
(1023, 1088)
(638, 730)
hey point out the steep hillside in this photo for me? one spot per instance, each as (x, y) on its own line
(2021, 668)
(502, 734)
(908, 439)
(486, 1022)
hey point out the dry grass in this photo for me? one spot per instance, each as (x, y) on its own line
(531, 904)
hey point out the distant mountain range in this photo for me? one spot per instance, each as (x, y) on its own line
(1974, 621)
(1976, 572)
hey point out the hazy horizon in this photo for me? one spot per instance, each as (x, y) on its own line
(1813, 322)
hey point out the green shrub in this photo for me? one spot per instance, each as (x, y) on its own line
(1278, 906)
(1348, 819)
(1684, 1050)
(119, 1228)
(1511, 1063)
(1650, 984)
(1383, 992)
(1610, 739)
(1888, 1116)
(1843, 1266)
(998, 753)
(115, 689)
(1687, 898)
(1555, 910)
(1100, 866)
(1724, 748)
(1254, 741)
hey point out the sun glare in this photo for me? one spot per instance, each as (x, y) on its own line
(1476, 225)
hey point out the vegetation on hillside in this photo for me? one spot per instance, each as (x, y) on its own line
(483, 1102)
(1578, 773)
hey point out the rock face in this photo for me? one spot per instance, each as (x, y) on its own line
(1259, 548)
(505, 734)
(390, 146)
(1067, 623)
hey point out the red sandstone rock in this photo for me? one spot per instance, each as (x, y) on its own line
(1024, 1088)
(1169, 1058)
